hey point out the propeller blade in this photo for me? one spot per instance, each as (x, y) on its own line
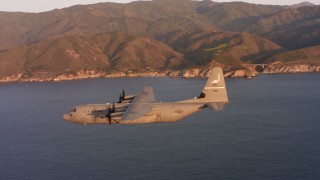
(109, 115)
(123, 95)
(109, 119)
(120, 99)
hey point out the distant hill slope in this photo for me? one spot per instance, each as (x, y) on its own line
(99, 53)
(232, 49)
(158, 34)
(228, 15)
(157, 18)
(302, 4)
(306, 55)
(291, 28)
(120, 51)
(137, 18)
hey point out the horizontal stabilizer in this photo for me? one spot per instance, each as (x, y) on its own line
(216, 106)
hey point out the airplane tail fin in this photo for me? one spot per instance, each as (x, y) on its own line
(214, 92)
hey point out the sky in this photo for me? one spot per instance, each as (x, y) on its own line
(47, 5)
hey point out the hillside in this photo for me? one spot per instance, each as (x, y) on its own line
(234, 14)
(306, 55)
(104, 52)
(137, 18)
(123, 52)
(153, 35)
(302, 4)
(152, 18)
(292, 28)
(229, 48)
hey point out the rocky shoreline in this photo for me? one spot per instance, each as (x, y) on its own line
(247, 71)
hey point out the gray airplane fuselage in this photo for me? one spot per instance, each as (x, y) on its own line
(161, 112)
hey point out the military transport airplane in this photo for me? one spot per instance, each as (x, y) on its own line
(143, 108)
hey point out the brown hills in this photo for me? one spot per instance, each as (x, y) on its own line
(234, 14)
(138, 18)
(227, 48)
(305, 55)
(293, 28)
(55, 56)
(302, 4)
(158, 34)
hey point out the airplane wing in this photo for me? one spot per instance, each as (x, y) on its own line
(138, 107)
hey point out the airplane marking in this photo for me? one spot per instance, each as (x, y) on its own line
(216, 81)
(214, 87)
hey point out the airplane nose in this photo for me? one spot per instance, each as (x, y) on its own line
(66, 117)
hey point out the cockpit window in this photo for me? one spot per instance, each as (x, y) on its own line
(74, 110)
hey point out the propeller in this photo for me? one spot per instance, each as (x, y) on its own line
(122, 97)
(109, 115)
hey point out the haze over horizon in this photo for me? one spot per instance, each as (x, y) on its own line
(42, 6)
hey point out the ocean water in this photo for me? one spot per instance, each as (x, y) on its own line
(269, 130)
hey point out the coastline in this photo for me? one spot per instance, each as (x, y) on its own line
(247, 71)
